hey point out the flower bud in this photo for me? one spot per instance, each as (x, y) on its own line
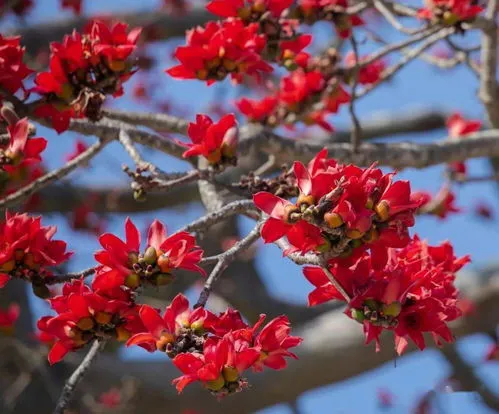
(230, 374)
(354, 234)
(382, 210)
(244, 13)
(333, 220)
(122, 334)
(132, 281)
(325, 246)
(103, 318)
(85, 324)
(308, 200)
(139, 195)
(216, 385)
(371, 304)
(449, 18)
(117, 65)
(215, 156)
(393, 309)
(229, 143)
(150, 255)
(197, 326)
(8, 266)
(164, 263)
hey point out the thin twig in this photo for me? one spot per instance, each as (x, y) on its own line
(124, 139)
(77, 376)
(158, 122)
(54, 175)
(335, 283)
(356, 130)
(223, 260)
(390, 18)
(236, 207)
(68, 277)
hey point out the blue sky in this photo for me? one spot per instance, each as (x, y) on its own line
(418, 87)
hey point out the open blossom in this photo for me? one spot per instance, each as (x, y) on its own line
(368, 74)
(441, 205)
(28, 250)
(450, 12)
(249, 10)
(340, 208)
(215, 141)
(123, 263)
(79, 148)
(83, 69)
(178, 330)
(413, 294)
(258, 110)
(84, 316)
(220, 49)
(21, 150)
(12, 69)
(9, 317)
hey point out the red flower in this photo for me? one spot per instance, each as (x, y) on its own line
(21, 151)
(368, 74)
(218, 49)
(258, 111)
(449, 12)
(414, 293)
(167, 333)
(249, 10)
(217, 142)
(339, 96)
(274, 342)
(75, 5)
(297, 87)
(83, 69)
(83, 316)
(9, 317)
(459, 126)
(441, 205)
(80, 147)
(28, 249)
(12, 69)
(124, 265)
(219, 367)
(84, 219)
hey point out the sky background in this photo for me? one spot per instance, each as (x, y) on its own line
(418, 87)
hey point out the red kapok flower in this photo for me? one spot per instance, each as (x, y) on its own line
(74, 5)
(125, 265)
(249, 10)
(459, 126)
(168, 333)
(84, 316)
(83, 69)
(449, 12)
(368, 74)
(258, 110)
(28, 249)
(441, 205)
(9, 317)
(21, 151)
(218, 368)
(216, 141)
(218, 49)
(12, 69)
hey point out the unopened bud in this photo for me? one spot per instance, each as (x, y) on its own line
(150, 255)
(333, 220)
(8, 266)
(450, 19)
(393, 309)
(308, 200)
(382, 210)
(122, 334)
(354, 234)
(164, 263)
(103, 318)
(9, 114)
(132, 281)
(357, 315)
(85, 324)
(139, 195)
(216, 385)
(325, 246)
(230, 374)
(117, 65)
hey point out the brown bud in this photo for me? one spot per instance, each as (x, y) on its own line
(85, 324)
(150, 255)
(230, 374)
(382, 209)
(333, 220)
(216, 385)
(132, 281)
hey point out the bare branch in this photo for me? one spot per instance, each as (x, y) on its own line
(53, 176)
(356, 129)
(68, 277)
(77, 376)
(158, 122)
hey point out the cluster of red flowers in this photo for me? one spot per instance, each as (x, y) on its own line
(12, 69)
(20, 151)
(450, 12)
(124, 265)
(28, 250)
(215, 141)
(214, 350)
(84, 68)
(341, 211)
(413, 294)
(84, 315)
